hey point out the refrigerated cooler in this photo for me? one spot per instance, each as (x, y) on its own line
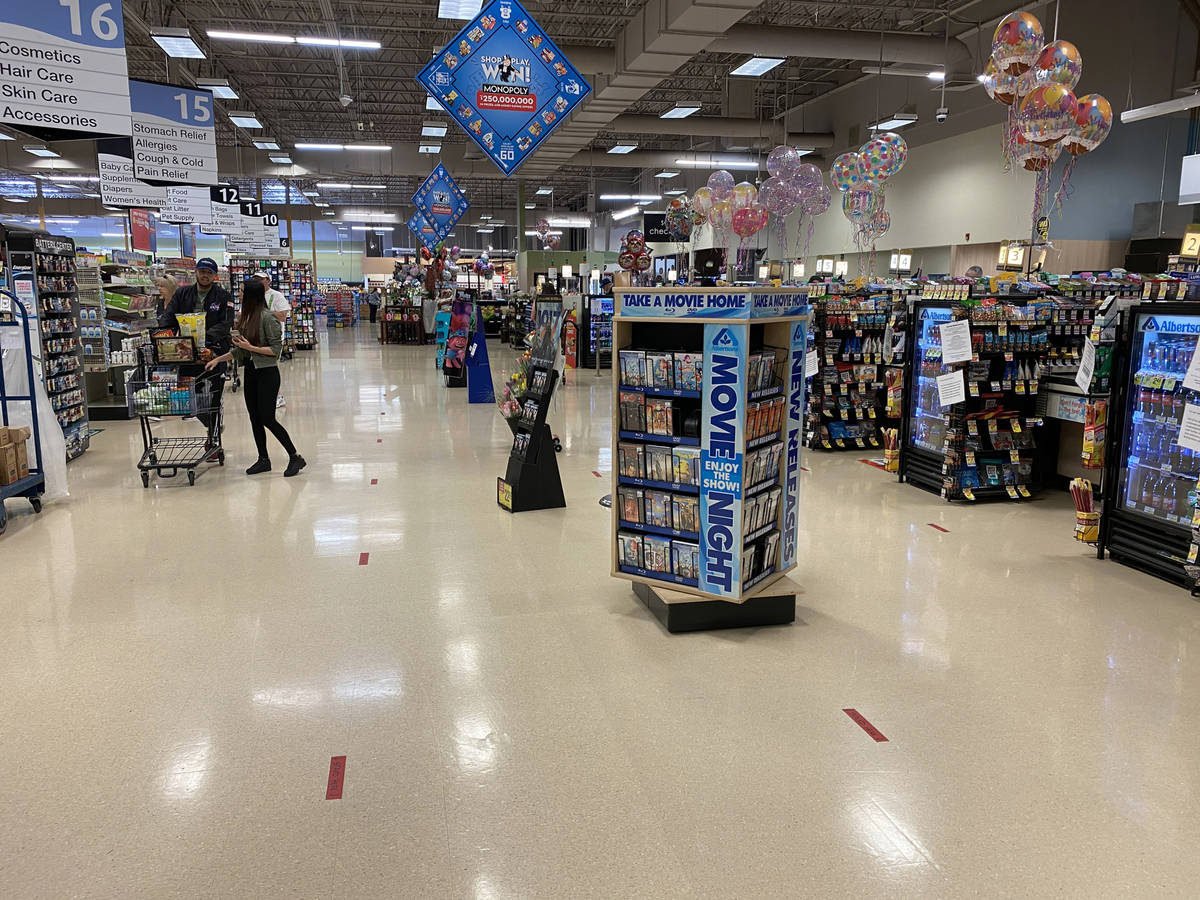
(1147, 519)
(597, 329)
(923, 451)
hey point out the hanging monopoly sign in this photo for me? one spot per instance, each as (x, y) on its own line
(62, 68)
(174, 134)
(423, 231)
(505, 83)
(440, 202)
(721, 430)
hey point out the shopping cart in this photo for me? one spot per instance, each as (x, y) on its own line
(161, 392)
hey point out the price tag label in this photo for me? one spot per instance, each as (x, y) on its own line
(968, 493)
(970, 458)
(992, 426)
(1016, 426)
(874, 442)
(995, 386)
(1011, 491)
(1033, 386)
(972, 427)
(844, 415)
(1008, 357)
(1014, 456)
(826, 445)
(1023, 491)
(1020, 387)
(974, 388)
(871, 412)
(840, 443)
(1147, 290)
(1002, 329)
(1192, 552)
(858, 332)
(859, 441)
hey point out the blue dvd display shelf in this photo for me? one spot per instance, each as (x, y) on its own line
(709, 397)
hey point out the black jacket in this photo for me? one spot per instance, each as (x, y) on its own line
(218, 318)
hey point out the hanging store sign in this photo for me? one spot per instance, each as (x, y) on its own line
(118, 185)
(225, 210)
(423, 231)
(187, 205)
(505, 83)
(174, 134)
(62, 68)
(440, 201)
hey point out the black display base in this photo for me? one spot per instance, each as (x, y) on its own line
(456, 381)
(709, 615)
(534, 480)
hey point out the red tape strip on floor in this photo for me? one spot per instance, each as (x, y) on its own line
(379, 440)
(374, 481)
(873, 464)
(938, 527)
(861, 721)
(337, 775)
(362, 558)
(594, 472)
(804, 469)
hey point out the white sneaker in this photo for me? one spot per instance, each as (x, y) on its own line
(280, 401)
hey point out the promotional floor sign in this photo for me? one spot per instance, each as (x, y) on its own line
(479, 370)
(422, 231)
(64, 74)
(721, 432)
(457, 337)
(505, 83)
(440, 202)
(174, 134)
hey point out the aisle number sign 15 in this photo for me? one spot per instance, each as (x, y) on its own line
(1191, 242)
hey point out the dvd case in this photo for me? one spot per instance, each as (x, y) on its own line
(659, 463)
(633, 411)
(660, 369)
(685, 559)
(687, 465)
(687, 371)
(631, 460)
(686, 513)
(656, 553)
(630, 547)
(633, 367)
(658, 509)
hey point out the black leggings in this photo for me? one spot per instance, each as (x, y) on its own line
(261, 389)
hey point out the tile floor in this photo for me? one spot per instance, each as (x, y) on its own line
(180, 664)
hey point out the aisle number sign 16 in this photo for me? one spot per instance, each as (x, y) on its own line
(101, 23)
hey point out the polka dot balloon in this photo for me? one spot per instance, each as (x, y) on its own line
(883, 156)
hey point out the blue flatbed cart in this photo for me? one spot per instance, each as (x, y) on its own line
(14, 316)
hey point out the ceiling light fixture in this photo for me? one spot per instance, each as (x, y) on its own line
(899, 120)
(630, 196)
(625, 213)
(543, 191)
(936, 75)
(458, 9)
(176, 42)
(711, 162)
(431, 103)
(219, 87)
(570, 221)
(40, 150)
(680, 111)
(333, 185)
(266, 144)
(16, 200)
(307, 146)
(256, 37)
(1166, 108)
(666, 174)
(368, 187)
(433, 129)
(244, 119)
(376, 148)
(538, 233)
(74, 177)
(757, 66)
(311, 193)
(119, 234)
(281, 159)
(622, 148)
(6, 137)
(675, 193)
(429, 148)
(326, 205)
(484, 218)
(484, 229)
(531, 206)
(329, 212)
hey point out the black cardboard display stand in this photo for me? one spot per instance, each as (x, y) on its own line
(532, 480)
(679, 613)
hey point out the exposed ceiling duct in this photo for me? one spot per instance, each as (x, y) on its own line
(660, 38)
(834, 43)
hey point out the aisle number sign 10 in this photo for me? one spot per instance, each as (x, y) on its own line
(77, 82)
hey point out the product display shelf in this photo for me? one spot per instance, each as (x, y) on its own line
(129, 306)
(44, 271)
(1148, 514)
(531, 480)
(857, 389)
(990, 449)
(596, 349)
(304, 314)
(242, 267)
(708, 399)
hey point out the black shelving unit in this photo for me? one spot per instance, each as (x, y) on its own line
(531, 480)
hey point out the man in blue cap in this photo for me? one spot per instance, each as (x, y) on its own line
(217, 305)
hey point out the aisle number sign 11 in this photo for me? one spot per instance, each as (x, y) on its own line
(64, 72)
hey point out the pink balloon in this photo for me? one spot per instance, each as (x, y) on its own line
(720, 183)
(778, 196)
(782, 161)
(749, 220)
(806, 178)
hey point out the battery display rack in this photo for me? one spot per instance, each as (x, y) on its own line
(708, 415)
(990, 439)
(857, 389)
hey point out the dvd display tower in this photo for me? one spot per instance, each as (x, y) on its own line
(708, 410)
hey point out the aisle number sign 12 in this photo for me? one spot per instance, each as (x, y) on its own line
(64, 72)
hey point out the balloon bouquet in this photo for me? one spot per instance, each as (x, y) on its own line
(483, 266)
(549, 241)
(793, 184)
(1036, 80)
(860, 176)
(634, 255)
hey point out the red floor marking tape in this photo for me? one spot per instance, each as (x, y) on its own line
(938, 527)
(873, 464)
(594, 472)
(362, 558)
(337, 775)
(374, 481)
(804, 469)
(866, 726)
(379, 440)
